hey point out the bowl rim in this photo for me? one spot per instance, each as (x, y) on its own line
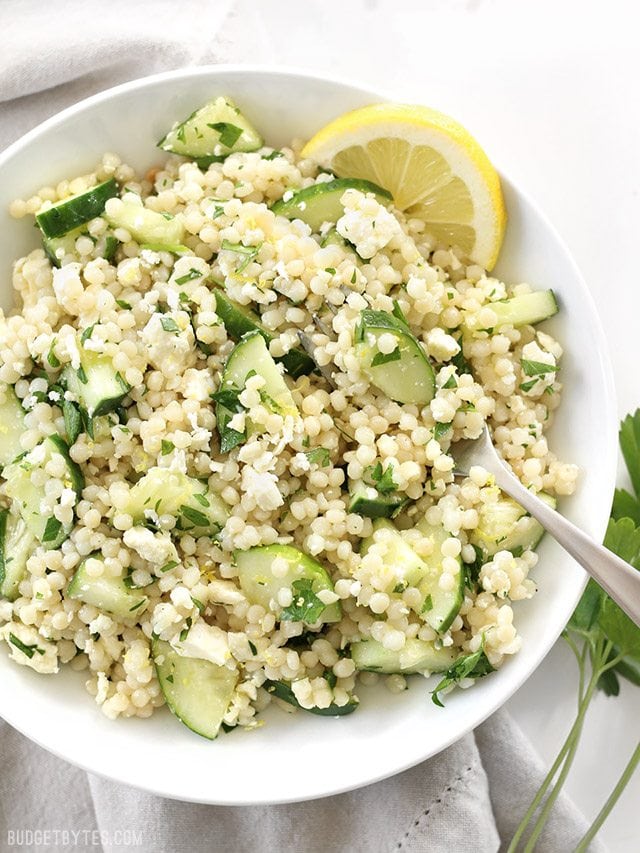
(608, 413)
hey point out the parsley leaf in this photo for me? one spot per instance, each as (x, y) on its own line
(537, 368)
(229, 133)
(319, 456)
(629, 437)
(87, 333)
(306, 606)
(474, 665)
(167, 446)
(189, 276)
(625, 505)
(382, 480)
(451, 382)
(440, 430)
(385, 357)
(249, 252)
(52, 358)
(169, 325)
(123, 304)
(197, 518)
(72, 421)
(51, 529)
(273, 155)
(28, 650)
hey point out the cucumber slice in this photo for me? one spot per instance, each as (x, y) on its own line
(96, 385)
(68, 214)
(282, 690)
(440, 607)
(404, 375)
(416, 656)
(197, 691)
(16, 546)
(11, 426)
(28, 497)
(332, 238)
(215, 130)
(526, 309)
(403, 565)
(367, 500)
(261, 586)
(238, 320)
(405, 568)
(59, 249)
(504, 525)
(321, 203)
(250, 356)
(164, 233)
(164, 491)
(106, 593)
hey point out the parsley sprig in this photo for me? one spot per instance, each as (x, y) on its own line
(606, 644)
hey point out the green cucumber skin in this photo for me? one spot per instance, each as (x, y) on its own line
(166, 663)
(282, 690)
(253, 582)
(73, 212)
(14, 553)
(320, 203)
(382, 506)
(11, 427)
(75, 472)
(238, 320)
(408, 380)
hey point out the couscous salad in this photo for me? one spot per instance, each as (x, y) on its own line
(230, 393)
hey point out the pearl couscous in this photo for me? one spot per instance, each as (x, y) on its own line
(365, 539)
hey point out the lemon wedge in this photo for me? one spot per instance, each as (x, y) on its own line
(433, 167)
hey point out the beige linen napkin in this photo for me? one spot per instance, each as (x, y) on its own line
(468, 799)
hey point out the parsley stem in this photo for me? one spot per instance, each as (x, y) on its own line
(563, 754)
(604, 812)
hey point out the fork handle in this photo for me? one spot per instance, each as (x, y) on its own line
(619, 579)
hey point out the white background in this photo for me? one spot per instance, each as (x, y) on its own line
(551, 90)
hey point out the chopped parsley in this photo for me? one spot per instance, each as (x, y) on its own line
(254, 650)
(72, 420)
(169, 325)
(318, 456)
(229, 133)
(53, 360)
(249, 252)
(82, 376)
(306, 606)
(123, 304)
(451, 382)
(381, 479)
(28, 650)
(185, 631)
(167, 447)
(201, 499)
(189, 276)
(440, 430)
(51, 529)
(273, 155)
(197, 518)
(386, 357)
(475, 665)
(87, 333)
(537, 368)
(168, 566)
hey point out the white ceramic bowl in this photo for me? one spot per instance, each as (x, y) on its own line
(388, 733)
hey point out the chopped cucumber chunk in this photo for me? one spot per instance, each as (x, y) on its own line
(322, 203)
(165, 492)
(215, 130)
(261, 586)
(404, 374)
(440, 605)
(249, 357)
(96, 385)
(238, 320)
(163, 232)
(415, 656)
(197, 691)
(525, 309)
(28, 497)
(403, 568)
(60, 249)
(503, 525)
(70, 213)
(17, 544)
(282, 690)
(367, 500)
(11, 426)
(105, 592)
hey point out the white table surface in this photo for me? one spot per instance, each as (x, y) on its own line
(550, 89)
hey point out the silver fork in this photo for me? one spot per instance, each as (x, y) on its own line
(618, 578)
